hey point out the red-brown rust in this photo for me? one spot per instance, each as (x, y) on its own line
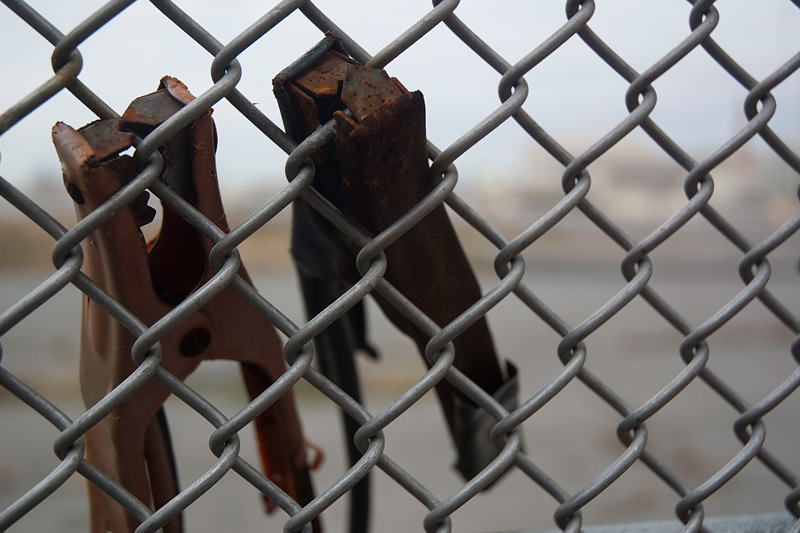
(376, 170)
(326, 75)
(365, 90)
(130, 444)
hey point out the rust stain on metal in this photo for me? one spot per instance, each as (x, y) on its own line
(324, 78)
(151, 109)
(177, 89)
(361, 89)
(365, 90)
(375, 171)
(106, 138)
(131, 444)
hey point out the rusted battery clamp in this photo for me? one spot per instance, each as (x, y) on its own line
(376, 170)
(132, 445)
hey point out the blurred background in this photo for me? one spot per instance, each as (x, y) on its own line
(508, 179)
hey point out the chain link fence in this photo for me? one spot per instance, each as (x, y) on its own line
(638, 261)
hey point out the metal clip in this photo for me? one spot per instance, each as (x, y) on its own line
(375, 171)
(132, 444)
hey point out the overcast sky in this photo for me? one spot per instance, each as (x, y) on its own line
(573, 94)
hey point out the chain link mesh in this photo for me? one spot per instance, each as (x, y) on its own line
(761, 311)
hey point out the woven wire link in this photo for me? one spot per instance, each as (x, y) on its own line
(573, 350)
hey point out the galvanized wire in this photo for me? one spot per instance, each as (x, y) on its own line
(513, 90)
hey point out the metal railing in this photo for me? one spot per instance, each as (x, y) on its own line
(632, 356)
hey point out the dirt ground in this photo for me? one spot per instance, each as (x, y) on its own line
(572, 438)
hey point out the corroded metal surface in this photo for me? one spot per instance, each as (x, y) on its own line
(376, 170)
(131, 444)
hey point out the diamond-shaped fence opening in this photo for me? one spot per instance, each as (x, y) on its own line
(622, 180)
